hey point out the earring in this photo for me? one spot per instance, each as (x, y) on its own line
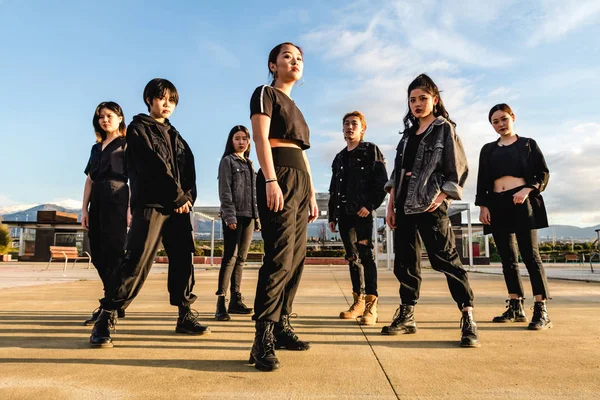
(435, 108)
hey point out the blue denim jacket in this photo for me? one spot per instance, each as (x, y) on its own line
(440, 166)
(237, 189)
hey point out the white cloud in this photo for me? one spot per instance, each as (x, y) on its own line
(219, 53)
(560, 17)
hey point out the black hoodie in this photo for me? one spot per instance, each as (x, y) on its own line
(161, 165)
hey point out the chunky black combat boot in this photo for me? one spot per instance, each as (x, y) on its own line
(514, 312)
(188, 323)
(237, 306)
(262, 354)
(286, 338)
(469, 330)
(540, 319)
(404, 321)
(121, 313)
(100, 337)
(221, 313)
(92, 320)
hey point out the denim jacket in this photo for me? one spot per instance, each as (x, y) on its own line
(440, 166)
(366, 176)
(237, 189)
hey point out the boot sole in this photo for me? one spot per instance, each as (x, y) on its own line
(470, 345)
(239, 312)
(101, 346)
(263, 367)
(350, 317)
(193, 333)
(507, 321)
(227, 318)
(409, 331)
(548, 326)
(292, 348)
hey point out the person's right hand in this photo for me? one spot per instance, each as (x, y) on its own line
(232, 226)
(390, 216)
(184, 209)
(85, 219)
(484, 215)
(274, 196)
(332, 227)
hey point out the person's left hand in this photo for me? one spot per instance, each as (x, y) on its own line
(521, 195)
(313, 209)
(363, 212)
(437, 202)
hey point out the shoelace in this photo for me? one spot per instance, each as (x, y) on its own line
(399, 315)
(192, 315)
(112, 322)
(268, 341)
(466, 324)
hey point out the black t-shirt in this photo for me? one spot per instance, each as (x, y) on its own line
(411, 151)
(108, 164)
(504, 161)
(287, 121)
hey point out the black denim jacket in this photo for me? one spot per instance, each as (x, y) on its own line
(535, 170)
(440, 166)
(237, 189)
(367, 177)
(162, 174)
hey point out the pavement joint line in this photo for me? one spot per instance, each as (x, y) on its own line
(366, 338)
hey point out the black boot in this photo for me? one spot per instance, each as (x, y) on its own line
(285, 338)
(469, 330)
(262, 354)
(404, 321)
(514, 312)
(101, 332)
(540, 319)
(188, 323)
(121, 313)
(221, 313)
(92, 320)
(237, 306)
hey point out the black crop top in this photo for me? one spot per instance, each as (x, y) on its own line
(410, 153)
(504, 161)
(108, 164)
(287, 121)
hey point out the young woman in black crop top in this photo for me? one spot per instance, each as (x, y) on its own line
(512, 173)
(286, 203)
(106, 193)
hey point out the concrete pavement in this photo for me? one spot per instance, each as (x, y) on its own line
(44, 349)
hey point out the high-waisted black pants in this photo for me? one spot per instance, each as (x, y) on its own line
(284, 235)
(108, 225)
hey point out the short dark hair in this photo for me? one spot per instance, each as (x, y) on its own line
(157, 88)
(114, 107)
(229, 149)
(501, 107)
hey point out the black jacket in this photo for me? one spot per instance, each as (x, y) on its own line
(237, 189)
(534, 166)
(366, 177)
(161, 165)
(535, 173)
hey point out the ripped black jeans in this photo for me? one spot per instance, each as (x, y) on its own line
(363, 271)
(436, 231)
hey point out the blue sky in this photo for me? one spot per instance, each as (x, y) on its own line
(60, 59)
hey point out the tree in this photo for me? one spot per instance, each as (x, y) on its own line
(5, 239)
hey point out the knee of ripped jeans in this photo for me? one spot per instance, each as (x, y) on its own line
(365, 251)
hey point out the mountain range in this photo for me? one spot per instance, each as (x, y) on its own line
(202, 226)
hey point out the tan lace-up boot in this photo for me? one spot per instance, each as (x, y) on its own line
(356, 309)
(369, 317)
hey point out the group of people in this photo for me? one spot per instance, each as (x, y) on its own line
(429, 171)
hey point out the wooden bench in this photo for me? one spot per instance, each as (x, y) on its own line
(572, 257)
(546, 258)
(254, 257)
(67, 253)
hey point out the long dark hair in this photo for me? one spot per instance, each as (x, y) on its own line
(229, 149)
(426, 84)
(273, 58)
(114, 107)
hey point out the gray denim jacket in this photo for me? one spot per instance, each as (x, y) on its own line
(440, 166)
(237, 189)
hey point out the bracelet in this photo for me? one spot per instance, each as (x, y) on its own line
(271, 180)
